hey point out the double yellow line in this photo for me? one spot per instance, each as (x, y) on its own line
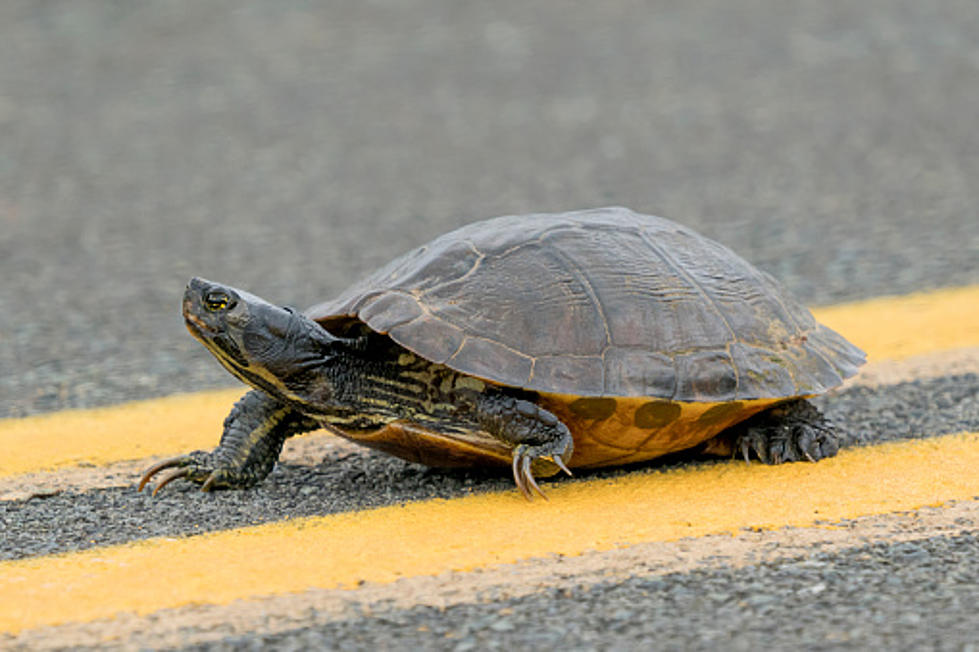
(430, 537)
(887, 329)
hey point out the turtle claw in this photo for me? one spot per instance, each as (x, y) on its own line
(156, 468)
(557, 459)
(746, 450)
(209, 483)
(170, 477)
(791, 432)
(192, 467)
(523, 474)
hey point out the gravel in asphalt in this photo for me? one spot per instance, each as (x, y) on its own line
(348, 481)
(289, 148)
(909, 595)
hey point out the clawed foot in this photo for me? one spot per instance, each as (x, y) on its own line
(194, 467)
(530, 459)
(791, 432)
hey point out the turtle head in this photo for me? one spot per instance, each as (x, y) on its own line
(275, 349)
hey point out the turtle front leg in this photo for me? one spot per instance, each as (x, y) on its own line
(541, 442)
(250, 445)
(794, 431)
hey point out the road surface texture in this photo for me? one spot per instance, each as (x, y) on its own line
(290, 148)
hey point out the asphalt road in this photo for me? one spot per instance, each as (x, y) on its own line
(346, 480)
(796, 604)
(289, 148)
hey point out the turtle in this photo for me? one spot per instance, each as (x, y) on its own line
(543, 343)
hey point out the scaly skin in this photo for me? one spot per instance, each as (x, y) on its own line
(306, 378)
(793, 431)
(250, 445)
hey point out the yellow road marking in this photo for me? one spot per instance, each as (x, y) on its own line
(431, 537)
(892, 327)
(899, 327)
(99, 436)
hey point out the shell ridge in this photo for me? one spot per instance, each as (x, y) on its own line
(586, 282)
(665, 257)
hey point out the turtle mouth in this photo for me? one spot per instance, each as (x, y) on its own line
(198, 326)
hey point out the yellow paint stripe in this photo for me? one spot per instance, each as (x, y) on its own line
(899, 327)
(892, 327)
(431, 537)
(164, 426)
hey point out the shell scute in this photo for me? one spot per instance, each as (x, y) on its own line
(386, 311)
(486, 359)
(707, 376)
(441, 340)
(585, 371)
(492, 303)
(759, 371)
(639, 372)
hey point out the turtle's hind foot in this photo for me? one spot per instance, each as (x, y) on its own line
(790, 432)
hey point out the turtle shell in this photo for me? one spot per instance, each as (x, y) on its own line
(598, 303)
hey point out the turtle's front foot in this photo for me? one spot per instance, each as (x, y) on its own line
(198, 467)
(528, 460)
(790, 432)
(541, 442)
(251, 443)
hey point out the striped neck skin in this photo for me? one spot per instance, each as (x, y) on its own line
(359, 382)
(356, 384)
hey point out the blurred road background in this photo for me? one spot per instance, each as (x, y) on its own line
(290, 147)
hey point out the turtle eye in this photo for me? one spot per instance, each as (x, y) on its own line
(216, 300)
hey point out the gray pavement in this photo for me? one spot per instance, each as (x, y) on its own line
(903, 597)
(344, 481)
(290, 147)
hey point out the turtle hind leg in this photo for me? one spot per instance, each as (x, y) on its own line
(794, 431)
